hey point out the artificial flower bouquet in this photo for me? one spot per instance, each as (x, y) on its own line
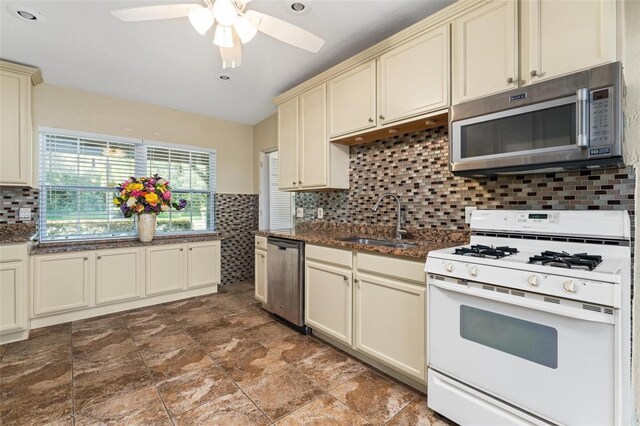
(145, 195)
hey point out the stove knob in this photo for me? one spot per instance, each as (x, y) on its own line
(448, 267)
(570, 287)
(473, 271)
(533, 281)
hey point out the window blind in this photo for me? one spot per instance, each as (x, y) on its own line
(280, 216)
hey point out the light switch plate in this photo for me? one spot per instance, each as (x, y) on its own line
(299, 212)
(467, 213)
(320, 212)
(24, 213)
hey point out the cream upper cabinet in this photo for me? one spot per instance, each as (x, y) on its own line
(203, 264)
(390, 322)
(261, 276)
(564, 36)
(314, 143)
(119, 275)
(485, 51)
(352, 100)
(413, 78)
(165, 269)
(288, 137)
(15, 123)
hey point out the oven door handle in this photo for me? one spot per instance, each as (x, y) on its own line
(524, 302)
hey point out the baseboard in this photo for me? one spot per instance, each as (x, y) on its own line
(14, 336)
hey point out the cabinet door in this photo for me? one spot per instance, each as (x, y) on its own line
(479, 71)
(12, 297)
(203, 264)
(566, 36)
(414, 77)
(261, 276)
(313, 138)
(118, 275)
(15, 129)
(288, 144)
(165, 269)
(61, 282)
(352, 100)
(328, 300)
(390, 323)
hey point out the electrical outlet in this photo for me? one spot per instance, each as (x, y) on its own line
(300, 212)
(320, 212)
(24, 213)
(467, 213)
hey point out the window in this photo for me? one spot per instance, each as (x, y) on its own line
(280, 202)
(77, 172)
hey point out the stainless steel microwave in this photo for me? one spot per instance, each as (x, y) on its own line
(567, 122)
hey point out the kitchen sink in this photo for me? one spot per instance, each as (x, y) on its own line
(383, 243)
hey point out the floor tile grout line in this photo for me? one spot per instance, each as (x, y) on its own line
(400, 411)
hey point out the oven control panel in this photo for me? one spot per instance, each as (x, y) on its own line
(537, 218)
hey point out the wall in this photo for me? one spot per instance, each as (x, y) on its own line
(66, 108)
(265, 138)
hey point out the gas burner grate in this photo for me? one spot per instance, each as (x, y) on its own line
(479, 250)
(566, 260)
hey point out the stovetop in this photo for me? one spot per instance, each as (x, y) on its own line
(567, 260)
(480, 250)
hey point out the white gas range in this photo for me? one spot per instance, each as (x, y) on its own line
(530, 323)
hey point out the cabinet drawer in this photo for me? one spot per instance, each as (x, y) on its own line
(261, 243)
(13, 252)
(329, 255)
(404, 269)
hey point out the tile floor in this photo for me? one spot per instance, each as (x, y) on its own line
(216, 359)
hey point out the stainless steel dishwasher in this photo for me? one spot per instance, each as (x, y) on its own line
(285, 277)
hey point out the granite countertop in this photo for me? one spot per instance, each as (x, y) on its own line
(105, 244)
(16, 233)
(333, 235)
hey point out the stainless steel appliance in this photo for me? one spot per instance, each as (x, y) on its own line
(530, 324)
(285, 277)
(566, 122)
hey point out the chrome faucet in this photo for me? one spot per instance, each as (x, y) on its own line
(399, 230)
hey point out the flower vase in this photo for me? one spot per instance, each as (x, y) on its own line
(146, 227)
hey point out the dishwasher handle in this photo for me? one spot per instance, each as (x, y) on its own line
(283, 244)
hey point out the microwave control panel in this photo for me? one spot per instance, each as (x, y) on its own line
(601, 120)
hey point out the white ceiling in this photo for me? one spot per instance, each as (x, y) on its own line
(81, 45)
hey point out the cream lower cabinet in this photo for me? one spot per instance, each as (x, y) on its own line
(165, 270)
(203, 264)
(119, 275)
(13, 293)
(62, 282)
(390, 322)
(261, 276)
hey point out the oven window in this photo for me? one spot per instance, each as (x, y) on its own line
(547, 128)
(528, 340)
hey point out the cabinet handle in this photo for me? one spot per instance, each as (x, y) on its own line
(190, 248)
(510, 80)
(345, 278)
(356, 281)
(299, 182)
(381, 117)
(181, 249)
(294, 182)
(533, 73)
(99, 257)
(370, 120)
(86, 258)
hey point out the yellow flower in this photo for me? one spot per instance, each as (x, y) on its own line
(117, 201)
(134, 187)
(151, 198)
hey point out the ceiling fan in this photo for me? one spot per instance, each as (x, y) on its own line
(235, 25)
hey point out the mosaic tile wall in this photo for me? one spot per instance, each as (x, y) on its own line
(237, 217)
(13, 199)
(415, 167)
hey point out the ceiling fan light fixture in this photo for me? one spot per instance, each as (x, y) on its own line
(225, 12)
(223, 36)
(202, 19)
(245, 29)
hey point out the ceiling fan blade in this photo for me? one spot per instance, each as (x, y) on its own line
(232, 56)
(286, 32)
(153, 13)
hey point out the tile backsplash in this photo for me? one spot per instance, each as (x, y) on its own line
(14, 198)
(416, 168)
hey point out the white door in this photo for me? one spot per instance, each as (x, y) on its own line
(390, 323)
(313, 138)
(118, 275)
(165, 269)
(478, 70)
(261, 275)
(288, 137)
(514, 347)
(61, 282)
(203, 264)
(414, 77)
(352, 100)
(15, 133)
(328, 300)
(12, 297)
(566, 36)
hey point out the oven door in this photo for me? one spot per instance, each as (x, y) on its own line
(544, 133)
(554, 361)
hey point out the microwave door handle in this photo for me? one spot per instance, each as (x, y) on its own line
(551, 308)
(582, 118)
